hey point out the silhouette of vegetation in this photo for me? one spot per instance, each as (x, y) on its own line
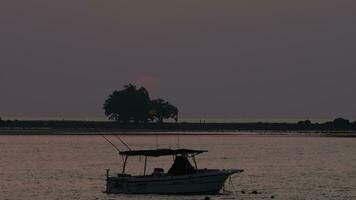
(133, 104)
(129, 104)
(161, 109)
(338, 127)
(340, 123)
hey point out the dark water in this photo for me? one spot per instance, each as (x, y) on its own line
(73, 167)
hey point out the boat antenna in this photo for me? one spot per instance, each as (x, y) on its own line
(126, 145)
(111, 144)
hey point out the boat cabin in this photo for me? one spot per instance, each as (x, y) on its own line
(180, 166)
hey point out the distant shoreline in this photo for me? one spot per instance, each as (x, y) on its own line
(337, 128)
(57, 132)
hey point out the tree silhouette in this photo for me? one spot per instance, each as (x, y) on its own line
(133, 104)
(161, 109)
(340, 123)
(129, 104)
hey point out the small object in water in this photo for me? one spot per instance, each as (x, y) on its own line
(272, 197)
(207, 198)
(254, 192)
(242, 191)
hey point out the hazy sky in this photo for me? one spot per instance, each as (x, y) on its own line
(216, 59)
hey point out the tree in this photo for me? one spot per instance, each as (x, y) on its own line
(133, 104)
(161, 109)
(129, 104)
(341, 123)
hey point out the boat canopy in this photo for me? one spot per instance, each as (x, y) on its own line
(161, 152)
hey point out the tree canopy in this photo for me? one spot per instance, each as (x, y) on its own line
(161, 109)
(133, 104)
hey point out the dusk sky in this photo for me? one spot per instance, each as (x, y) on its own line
(212, 59)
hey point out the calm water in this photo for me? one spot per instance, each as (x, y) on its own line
(73, 167)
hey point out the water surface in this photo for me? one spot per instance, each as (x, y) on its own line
(73, 167)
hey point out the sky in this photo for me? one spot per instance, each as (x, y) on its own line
(212, 59)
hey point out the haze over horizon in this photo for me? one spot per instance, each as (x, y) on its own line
(212, 59)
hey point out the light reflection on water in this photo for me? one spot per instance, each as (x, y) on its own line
(73, 167)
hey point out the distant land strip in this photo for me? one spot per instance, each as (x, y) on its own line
(338, 127)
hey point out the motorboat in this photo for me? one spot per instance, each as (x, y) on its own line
(181, 178)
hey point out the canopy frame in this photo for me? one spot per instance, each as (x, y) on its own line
(158, 153)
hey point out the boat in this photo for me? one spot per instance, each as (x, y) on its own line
(182, 177)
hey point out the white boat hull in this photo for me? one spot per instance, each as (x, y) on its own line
(202, 182)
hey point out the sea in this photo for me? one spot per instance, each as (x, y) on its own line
(275, 166)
